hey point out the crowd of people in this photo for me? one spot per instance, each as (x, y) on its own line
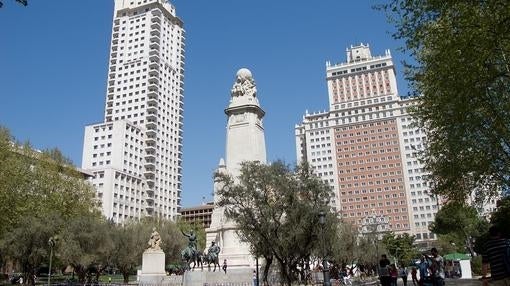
(430, 268)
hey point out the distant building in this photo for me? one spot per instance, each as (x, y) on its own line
(199, 215)
(365, 147)
(136, 152)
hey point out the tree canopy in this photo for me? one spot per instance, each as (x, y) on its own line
(401, 247)
(351, 247)
(130, 241)
(277, 211)
(501, 216)
(461, 224)
(40, 194)
(43, 196)
(39, 184)
(460, 72)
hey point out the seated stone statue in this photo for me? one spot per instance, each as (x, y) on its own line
(155, 240)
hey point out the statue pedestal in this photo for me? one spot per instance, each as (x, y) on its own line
(153, 267)
(223, 231)
(232, 277)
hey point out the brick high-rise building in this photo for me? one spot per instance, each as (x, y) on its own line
(362, 145)
(136, 152)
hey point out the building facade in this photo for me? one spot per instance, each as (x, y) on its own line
(199, 215)
(365, 146)
(136, 152)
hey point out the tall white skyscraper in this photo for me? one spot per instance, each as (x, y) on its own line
(136, 153)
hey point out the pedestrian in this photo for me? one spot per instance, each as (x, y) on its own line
(424, 268)
(384, 274)
(225, 266)
(436, 268)
(345, 276)
(255, 278)
(413, 276)
(402, 272)
(394, 275)
(497, 255)
(448, 269)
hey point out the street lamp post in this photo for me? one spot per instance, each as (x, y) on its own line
(322, 221)
(51, 243)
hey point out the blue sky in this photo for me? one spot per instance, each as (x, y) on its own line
(54, 60)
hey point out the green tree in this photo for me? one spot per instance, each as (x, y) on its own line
(460, 68)
(130, 241)
(37, 186)
(15, 179)
(86, 245)
(461, 223)
(173, 242)
(277, 211)
(401, 247)
(349, 247)
(27, 243)
(501, 216)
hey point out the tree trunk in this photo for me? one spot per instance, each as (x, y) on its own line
(285, 272)
(98, 273)
(469, 245)
(81, 272)
(28, 274)
(125, 273)
(269, 261)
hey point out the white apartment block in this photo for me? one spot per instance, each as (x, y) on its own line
(422, 204)
(363, 146)
(136, 153)
(315, 144)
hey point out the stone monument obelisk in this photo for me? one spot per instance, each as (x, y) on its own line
(153, 262)
(245, 142)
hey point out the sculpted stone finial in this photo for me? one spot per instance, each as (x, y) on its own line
(244, 84)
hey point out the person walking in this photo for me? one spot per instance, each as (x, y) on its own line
(384, 274)
(424, 267)
(225, 266)
(402, 272)
(393, 275)
(497, 255)
(436, 268)
(413, 276)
